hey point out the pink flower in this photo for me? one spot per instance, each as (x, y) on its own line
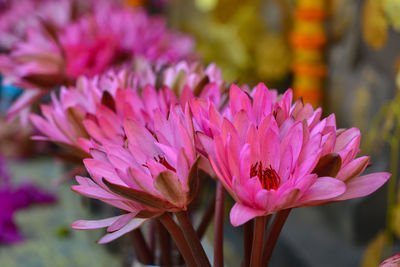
(95, 108)
(153, 173)
(63, 119)
(109, 35)
(12, 27)
(269, 162)
(193, 80)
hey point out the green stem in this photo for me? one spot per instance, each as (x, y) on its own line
(179, 238)
(219, 226)
(192, 239)
(258, 237)
(273, 235)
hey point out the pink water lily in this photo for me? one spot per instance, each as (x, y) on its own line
(96, 107)
(110, 35)
(153, 173)
(269, 162)
(63, 119)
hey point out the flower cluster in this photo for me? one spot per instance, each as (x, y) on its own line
(96, 107)
(270, 155)
(144, 136)
(52, 54)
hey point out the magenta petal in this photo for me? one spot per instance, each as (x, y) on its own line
(135, 223)
(344, 138)
(241, 214)
(270, 149)
(364, 185)
(94, 224)
(353, 169)
(28, 97)
(93, 192)
(121, 221)
(324, 188)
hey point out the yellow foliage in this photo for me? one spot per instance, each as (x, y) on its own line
(373, 254)
(374, 24)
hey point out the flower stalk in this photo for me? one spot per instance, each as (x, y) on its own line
(140, 246)
(247, 242)
(191, 238)
(258, 237)
(219, 226)
(178, 237)
(165, 245)
(273, 235)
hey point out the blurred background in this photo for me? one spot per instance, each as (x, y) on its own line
(341, 55)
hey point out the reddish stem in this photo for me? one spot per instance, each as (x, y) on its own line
(192, 239)
(164, 245)
(179, 238)
(247, 236)
(219, 226)
(273, 235)
(258, 237)
(142, 251)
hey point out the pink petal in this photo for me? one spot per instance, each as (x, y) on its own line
(324, 188)
(93, 192)
(241, 214)
(270, 149)
(344, 138)
(293, 138)
(261, 102)
(135, 223)
(94, 224)
(121, 221)
(364, 185)
(353, 169)
(27, 98)
(265, 200)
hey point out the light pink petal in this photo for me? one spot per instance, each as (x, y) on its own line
(353, 169)
(27, 98)
(122, 221)
(265, 200)
(99, 169)
(344, 138)
(364, 185)
(287, 199)
(140, 136)
(294, 139)
(285, 167)
(261, 102)
(270, 149)
(241, 123)
(135, 223)
(94, 224)
(324, 188)
(241, 214)
(93, 192)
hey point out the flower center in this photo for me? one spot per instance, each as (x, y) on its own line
(268, 177)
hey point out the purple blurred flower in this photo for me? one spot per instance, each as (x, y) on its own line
(13, 199)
